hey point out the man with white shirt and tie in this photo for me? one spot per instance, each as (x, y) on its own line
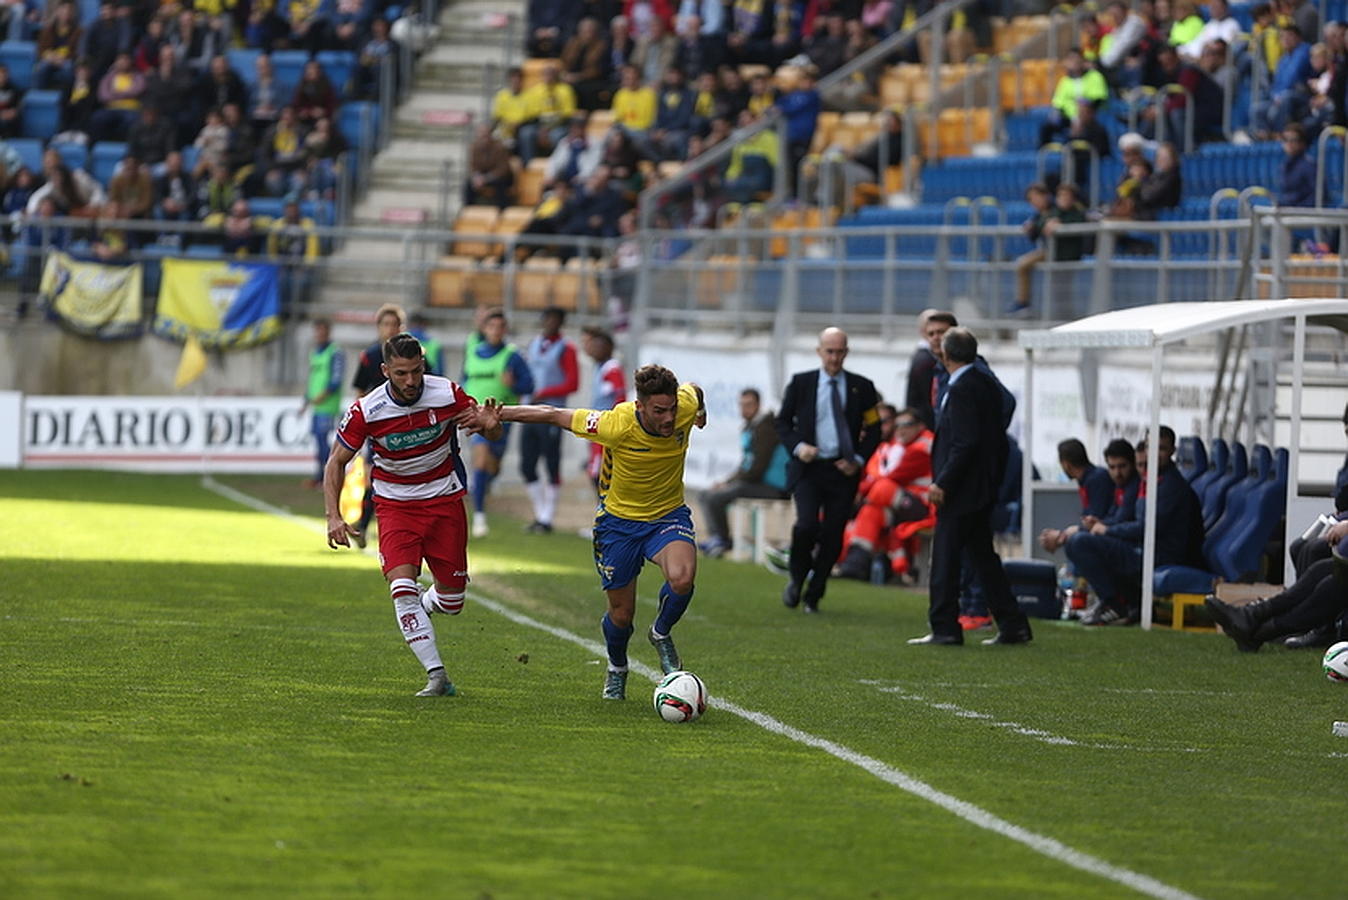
(829, 423)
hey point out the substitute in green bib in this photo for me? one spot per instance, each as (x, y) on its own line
(492, 369)
(323, 394)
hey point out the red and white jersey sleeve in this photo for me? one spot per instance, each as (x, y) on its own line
(414, 447)
(610, 385)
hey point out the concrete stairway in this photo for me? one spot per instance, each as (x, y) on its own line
(415, 180)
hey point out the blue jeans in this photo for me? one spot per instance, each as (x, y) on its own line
(321, 429)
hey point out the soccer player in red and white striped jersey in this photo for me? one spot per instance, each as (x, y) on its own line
(411, 422)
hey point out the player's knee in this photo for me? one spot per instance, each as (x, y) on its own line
(621, 618)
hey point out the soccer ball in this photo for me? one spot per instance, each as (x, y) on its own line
(1336, 662)
(682, 697)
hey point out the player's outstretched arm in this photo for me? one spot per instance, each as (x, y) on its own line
(545, 415)
(339, 532)
(483, 420)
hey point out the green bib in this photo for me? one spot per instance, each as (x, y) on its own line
(320, 376)
(482, 377)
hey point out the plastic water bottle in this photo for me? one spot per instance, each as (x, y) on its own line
(878, 566)
(1066, 585)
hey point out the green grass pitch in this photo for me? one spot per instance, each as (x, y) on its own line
(201, 699)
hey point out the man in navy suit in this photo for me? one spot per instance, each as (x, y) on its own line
(829, 423)
(968, 458)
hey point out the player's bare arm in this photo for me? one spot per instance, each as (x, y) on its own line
(545, 415)
(339, 532)
(475, 419)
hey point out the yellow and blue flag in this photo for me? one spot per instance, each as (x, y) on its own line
(93, 299)
(225, 304)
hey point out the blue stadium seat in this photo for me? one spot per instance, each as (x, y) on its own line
(1217, 456)
(104, 159)
(1191, 457)
(358, 122)
(41, 114)
(288, 66)
(1234, 507)
(88, 12)
(205, 251)
(1214, 495)
(340, 67)
(191, 154)
(73, 154)
(20, 57)
(29, 150)
(1240, 553)
(243, 60)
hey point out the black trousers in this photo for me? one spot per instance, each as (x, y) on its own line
(823, 504)
(1317, 598)
(968, 536)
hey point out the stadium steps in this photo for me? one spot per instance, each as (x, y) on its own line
(431, 127)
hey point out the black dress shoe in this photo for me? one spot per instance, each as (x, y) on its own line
(1316, 637)
(944, 640)
(791, 595)
(1013, 636)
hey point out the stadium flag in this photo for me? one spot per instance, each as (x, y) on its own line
(191, 364)
(93, 299)
(225, 304)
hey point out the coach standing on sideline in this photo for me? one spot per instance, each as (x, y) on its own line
(968, 458)
(829, 424)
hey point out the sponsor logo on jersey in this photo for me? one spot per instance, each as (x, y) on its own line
(592, 423)
(402, 440)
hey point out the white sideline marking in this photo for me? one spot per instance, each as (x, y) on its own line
(1037, 734)
(974, 815)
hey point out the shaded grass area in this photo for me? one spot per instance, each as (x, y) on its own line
(199, 700)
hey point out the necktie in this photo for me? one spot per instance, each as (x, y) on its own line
(845, 448)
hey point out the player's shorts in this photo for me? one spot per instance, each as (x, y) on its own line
(434, 530)
(497, 447)
(622, 546)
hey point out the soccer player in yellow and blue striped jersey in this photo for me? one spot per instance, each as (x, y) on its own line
(641, 513)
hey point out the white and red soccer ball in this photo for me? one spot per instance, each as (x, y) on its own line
(681, 697)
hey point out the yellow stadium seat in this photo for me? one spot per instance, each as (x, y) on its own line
(475, 220)
(532, 70)
(449, 281)
(533, 282)
(529, 185)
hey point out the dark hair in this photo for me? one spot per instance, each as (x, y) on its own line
(402, 346)
(322, 321)
(1073, 452)
(652, 379)
(752, 392)
(1167, 432)
(893, 410)
(943, 316)
(1297, 130)
(1119, 448)
(959, 345)
(555, 311)
(910, 413)
(496, 312)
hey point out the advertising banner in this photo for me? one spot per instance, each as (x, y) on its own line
(226, 304)
(92, 299)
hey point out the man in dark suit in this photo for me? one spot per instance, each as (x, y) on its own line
(968, 458)
(829, 423)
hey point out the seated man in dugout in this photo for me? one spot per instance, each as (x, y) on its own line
(1095, 487)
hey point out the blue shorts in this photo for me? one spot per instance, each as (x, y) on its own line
(622, 546)
(497, 447)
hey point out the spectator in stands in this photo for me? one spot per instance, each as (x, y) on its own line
(151, 139)
(1296, 186)
(762, 96)
(594, 212)
(314, 96)
(293, 242)
(1086, 128)
(655, 53)
(39, 236)
(171, 87)
(510, 109)
(370, 59)
(350, 25)
(621, 50)
(1128, 32)
(11, 99)
(634, 105)
(1200, 93)
(324, 142)
(175, 191)
(113, 32)
(193, 44)
(549, 106)
(242, 236)
(145, 50)
(131, 189)
(490, 177)
(1078, 82)
(1095, 487)
(221, 85)
(549, 24)
(212, 142)
(1041, 200)
(242, 150)
(310, 26)
(1213, 63)
(673, 118)
(119, 92)
(1221, 25)
(893, 498)
(552, 213)
(15, 201)
(1265, 43)
(801, 107)
(75, 192)
(699, 51)
(1287, 94)
(217, 192)
(1305, 16)
(761, 473)
(575, 156)
(1109, 556)
(112, 243)
(826, 46)
(1320, 105)
(751, 35)
(281, 151)
(265, 29)
(1186, 24)
(583, 60)
(264, 94)
(57, 46)
(79, 101)
(857, 91)
(1163, 187)
(753, 163)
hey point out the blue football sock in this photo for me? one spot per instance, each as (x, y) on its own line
(616, 638)
(672, 608)
(481, 481)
